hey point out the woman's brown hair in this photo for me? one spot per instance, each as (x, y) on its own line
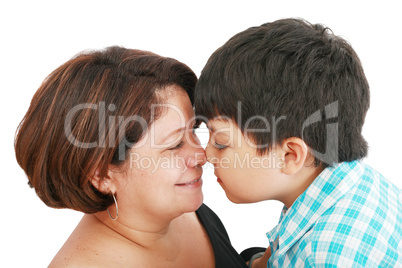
(86, 115)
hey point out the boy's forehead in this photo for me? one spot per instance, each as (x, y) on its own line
(220, 124)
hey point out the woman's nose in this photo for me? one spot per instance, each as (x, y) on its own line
(198, 158)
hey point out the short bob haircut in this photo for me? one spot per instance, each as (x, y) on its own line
(84, 117)
(298, 77)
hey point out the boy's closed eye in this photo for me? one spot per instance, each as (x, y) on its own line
(219, 146)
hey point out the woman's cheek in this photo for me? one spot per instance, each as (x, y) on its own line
(179, 160)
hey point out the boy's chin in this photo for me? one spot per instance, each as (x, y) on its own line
(237, 199)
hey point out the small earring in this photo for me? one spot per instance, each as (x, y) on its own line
(117, 209)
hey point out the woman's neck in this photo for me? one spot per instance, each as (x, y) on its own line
(156, 233)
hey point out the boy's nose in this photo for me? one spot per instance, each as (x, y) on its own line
(209, 154)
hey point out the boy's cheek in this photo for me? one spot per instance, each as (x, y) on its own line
(224, 163)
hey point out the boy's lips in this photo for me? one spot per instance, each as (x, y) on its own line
(217, 177)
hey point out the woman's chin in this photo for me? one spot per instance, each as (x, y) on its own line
(194, 204)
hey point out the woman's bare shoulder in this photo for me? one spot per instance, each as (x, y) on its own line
(92, 258)
(90, 246)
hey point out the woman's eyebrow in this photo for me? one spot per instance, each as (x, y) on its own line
(172, 133)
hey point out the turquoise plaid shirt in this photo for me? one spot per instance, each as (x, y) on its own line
(350, 216)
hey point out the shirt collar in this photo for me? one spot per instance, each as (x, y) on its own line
(333, 183)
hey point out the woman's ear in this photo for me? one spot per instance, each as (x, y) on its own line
(295, 153)
(103, 184)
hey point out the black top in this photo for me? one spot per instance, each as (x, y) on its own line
(225, 255)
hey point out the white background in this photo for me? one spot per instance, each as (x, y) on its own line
(38, 36)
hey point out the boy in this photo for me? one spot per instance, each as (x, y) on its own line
(285, 103)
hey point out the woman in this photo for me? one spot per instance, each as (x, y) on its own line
(110, 133)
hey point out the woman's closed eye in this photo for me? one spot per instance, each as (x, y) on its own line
(178, 146)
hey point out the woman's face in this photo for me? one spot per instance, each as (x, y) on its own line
(163, 170)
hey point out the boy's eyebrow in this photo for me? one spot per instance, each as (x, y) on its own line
(213, 130)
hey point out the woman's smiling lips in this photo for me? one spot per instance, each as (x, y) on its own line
(194, 183)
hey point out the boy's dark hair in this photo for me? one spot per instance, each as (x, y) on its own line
(290, 79)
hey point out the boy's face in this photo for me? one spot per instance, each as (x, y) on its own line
(244, 176)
